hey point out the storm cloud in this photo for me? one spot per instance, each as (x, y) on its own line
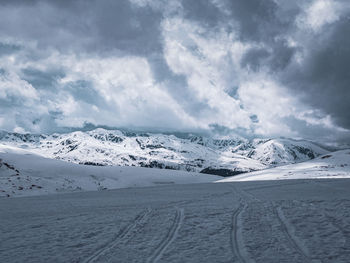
(259, 68)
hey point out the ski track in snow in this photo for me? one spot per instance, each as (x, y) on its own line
(235, 240)
(121, 236)
(169, 238)
(287, 228)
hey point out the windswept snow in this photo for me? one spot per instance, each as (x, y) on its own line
(266, 221)
(332, 165)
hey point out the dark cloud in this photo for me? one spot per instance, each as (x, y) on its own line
(263, 22)
(319, 132)
(254, 57)
(323, 79)
(120, 25)
(83, 26)
(257, 19)
(42, 79)
(83, 90)
(254, 118)
(282, 55)
(277, 58)
(204, 11)
(6, 49)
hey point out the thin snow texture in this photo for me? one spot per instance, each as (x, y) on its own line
(264, 221)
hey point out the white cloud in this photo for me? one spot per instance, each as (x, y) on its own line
(12, 86)
(19, 130)
(208, 62)
(320, 13)
(126, 85)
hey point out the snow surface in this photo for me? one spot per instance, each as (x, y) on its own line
(265, 221)
(23, 173)
(332, 165)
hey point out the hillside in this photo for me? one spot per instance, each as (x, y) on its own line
(331, 165)
(23, 174)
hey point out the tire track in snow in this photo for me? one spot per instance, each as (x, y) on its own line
(235, 240)
(293, 239)
(121, 236)
(169, 238)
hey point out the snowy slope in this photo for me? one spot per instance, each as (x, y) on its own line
(266, 221)
(23, 173)
(331, 165)
(228, 156)
(281, 151)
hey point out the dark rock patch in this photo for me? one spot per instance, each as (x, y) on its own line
(221, 172)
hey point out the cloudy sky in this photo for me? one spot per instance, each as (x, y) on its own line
(252, 67)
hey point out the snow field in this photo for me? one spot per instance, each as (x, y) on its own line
(267, 221)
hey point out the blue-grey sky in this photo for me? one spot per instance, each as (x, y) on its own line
(260, 68)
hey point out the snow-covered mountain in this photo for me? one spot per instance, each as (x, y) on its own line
(194, 153)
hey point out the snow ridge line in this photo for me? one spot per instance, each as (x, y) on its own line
(169, 238)
(234, 240)
(293, 239)
(119, 237)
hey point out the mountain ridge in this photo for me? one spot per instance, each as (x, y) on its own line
(197, 153)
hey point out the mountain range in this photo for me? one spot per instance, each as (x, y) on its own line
(193, 153)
